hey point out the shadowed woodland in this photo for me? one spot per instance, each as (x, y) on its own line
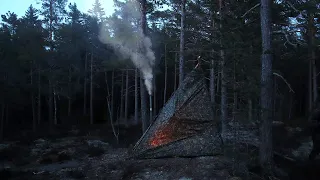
(104, 79)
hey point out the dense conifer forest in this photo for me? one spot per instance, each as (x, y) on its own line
(61, 68)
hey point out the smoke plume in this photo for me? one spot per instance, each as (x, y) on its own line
(128, 40)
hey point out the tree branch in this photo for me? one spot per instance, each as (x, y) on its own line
(198, 64)
(287, 38)
(294, 8)
(291, 5)
(289, 86)
(250, 10)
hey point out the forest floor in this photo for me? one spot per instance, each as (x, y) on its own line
(94, 156)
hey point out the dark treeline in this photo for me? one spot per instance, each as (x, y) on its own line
(55, 70)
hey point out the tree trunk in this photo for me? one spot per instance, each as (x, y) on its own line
(212, 75)
(235, 95)
(235, 104)
(165, 75)
(154, 95)
(143, 92)
(34, 118)
(50, 23)
(118, 115)
(274, 105)
(250, 105)
(91, 89)
(50, 104)
(112, 93)
(234, 113)
(51, 50)
(290, 108)
(223, 80)
(310, 101)
(69, 93)
(314, 78)
(121, 95)
(2, 122)
(175, 71)
(212, 86)
(136, 94)
(55, 106)
(150, 112)
(181, 61)
(250, 110)
(126, 99)
(85, 86)
(266, 151)
(7, 114)
(143, 105)
(223, 95)
(39, 95)
(218, 88)
(116, 135)
(281, 109)
(312, 56)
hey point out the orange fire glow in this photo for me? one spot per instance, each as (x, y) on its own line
(162, 136)
(173, 130)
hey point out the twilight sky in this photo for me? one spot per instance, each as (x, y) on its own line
(20, 6)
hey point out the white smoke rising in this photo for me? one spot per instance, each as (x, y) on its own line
(129, 41)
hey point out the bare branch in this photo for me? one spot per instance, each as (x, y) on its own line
(295, 9)
(289, 86)
(198, 64)
(291, 5)
(250, 10)
(287, 38)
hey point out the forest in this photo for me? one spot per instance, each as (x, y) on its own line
(61, 68)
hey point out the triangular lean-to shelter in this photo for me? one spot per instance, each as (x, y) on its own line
(185, 126)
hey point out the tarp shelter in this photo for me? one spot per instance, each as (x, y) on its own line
(185, 126)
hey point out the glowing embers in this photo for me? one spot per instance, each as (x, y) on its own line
(174, 130)
(163, 135)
